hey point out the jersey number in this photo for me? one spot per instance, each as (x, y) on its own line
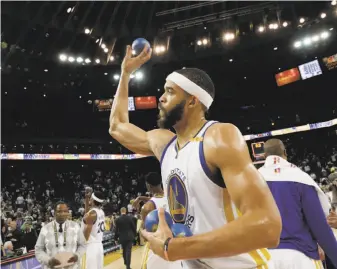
(101, 227)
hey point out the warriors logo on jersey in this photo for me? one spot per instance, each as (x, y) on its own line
(177, 198)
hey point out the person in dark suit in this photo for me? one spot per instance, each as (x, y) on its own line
(126, 233)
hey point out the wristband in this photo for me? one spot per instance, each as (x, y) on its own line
(167, 241)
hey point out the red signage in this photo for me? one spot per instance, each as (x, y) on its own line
(330, 62)
(287, 77)
(146, 102)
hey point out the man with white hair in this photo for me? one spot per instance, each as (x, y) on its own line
(303, 207)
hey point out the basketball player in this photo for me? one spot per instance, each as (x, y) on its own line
(153, 185)
(303, 207)
(93, 229)
(209, 179)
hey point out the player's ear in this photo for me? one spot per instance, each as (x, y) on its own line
(193, 101)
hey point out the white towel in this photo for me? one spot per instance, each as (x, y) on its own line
(278, 169)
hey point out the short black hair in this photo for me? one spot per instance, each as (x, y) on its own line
(153, 179)
(274, 147)
(99, 195)
(199, 77)
(60, 203)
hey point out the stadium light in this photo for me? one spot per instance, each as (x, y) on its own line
(112, 58)
(302, 20)
(46, 70)
(261, 29)
(323, 15)
(116, 77)
(273, 26)
(324, 35)
(103, 46)
(307, 41)
(297, 44)
(63, 57)
(159, 49)
(204, 41)
(139, 75)
(87, 60)
(285, 24)
(199, 43)
(334, 2)
(79, 59)
(71, 59)
(106, 50)
(69, 10)
(228, 36)
(97, 61)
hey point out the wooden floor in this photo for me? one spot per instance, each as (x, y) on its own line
(115, 260)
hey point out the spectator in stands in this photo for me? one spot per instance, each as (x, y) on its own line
(14, 235)
(29, 234)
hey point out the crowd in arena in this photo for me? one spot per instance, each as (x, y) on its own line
(30, 190)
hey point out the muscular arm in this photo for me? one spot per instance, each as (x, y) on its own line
(147, 208)
(259, 226)
(129, 135)
(89, 220)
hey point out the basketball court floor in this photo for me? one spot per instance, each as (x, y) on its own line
(115, 260)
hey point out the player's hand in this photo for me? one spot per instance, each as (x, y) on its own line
(156, 240)
(53, 262)
(73, 259)
(139, 199)
(130, 64)
(332, 220)
(321, 253)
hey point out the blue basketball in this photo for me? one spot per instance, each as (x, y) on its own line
(139, 44)
(152, 221)
(180, 230)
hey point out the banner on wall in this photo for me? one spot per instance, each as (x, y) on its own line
(146, 102)
(288, 76)
(105, 104)
(330, 62)
(310, 69)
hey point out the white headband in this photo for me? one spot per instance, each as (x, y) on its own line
(191, 88)
(96, 199)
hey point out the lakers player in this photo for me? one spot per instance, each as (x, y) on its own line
(93, 229)
(209, 179)
(153, 185)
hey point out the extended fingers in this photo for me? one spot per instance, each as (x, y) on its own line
(128, 53)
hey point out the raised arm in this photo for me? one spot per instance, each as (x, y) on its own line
(129, 135)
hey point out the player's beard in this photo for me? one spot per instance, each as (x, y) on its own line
(169, 119)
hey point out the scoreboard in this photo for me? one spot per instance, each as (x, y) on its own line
(258, 150)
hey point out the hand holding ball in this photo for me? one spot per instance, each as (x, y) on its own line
(142, 50)
(138, 46)
(180, 230)
(152, 221)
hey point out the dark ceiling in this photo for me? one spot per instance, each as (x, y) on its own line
(37, 32)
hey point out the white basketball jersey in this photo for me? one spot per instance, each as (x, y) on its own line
(96, 235)
(160, 202)
(201, 204)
